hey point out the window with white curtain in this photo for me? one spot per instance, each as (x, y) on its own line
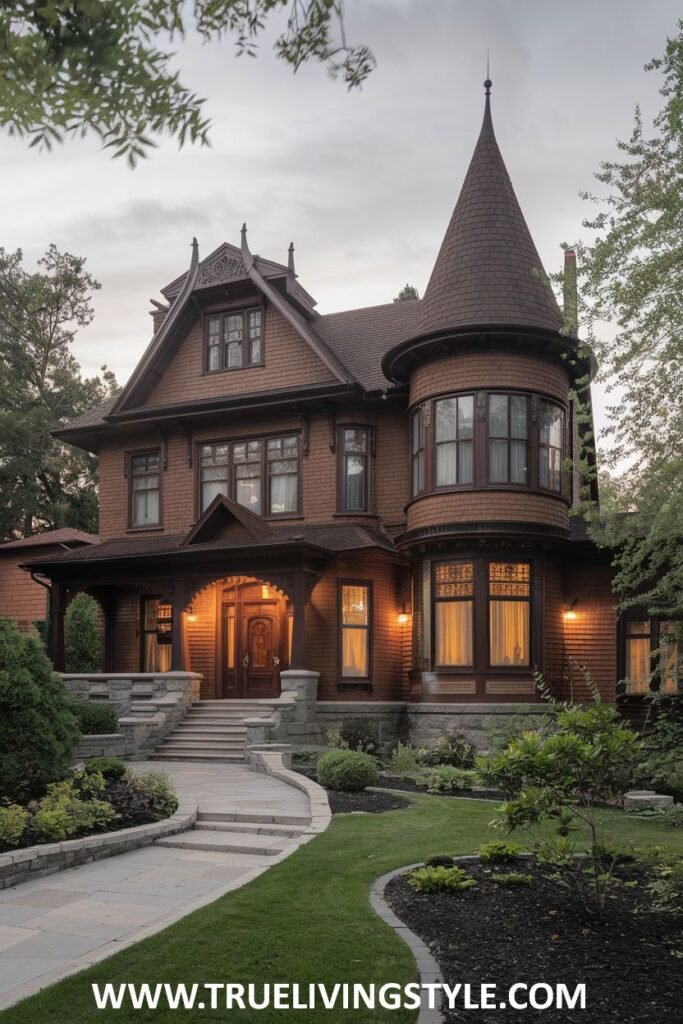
(454, 433)
(283, 474)
(234, 340)
(453, 614)
(550, 432)
(262, 474)
(145, 488)
(157, 635)
(508, 422)
(354, 490)
(418, 451)
(356, 621)
(651, 656)
(509, 594)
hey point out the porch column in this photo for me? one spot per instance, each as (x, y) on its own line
(178, 640)
(57, 611)
(299, 602)
(109, 610)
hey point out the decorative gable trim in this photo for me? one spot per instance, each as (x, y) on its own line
(221, 511)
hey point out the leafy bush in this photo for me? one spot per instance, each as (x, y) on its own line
(69, 811)
(403, 759)
(108, 767)
(141, 799)
(82, 642)
(512, 878)
(499, 852)
(95, 719)
(673, 816)
(440, 860)
(440, 879)
(661, 767)
(666, 889)
(453, 748)
(38, 732)
(450, 780)
(348, 770)
(12, 824)
(158, 789)
(561, 777)
(502, 729)
(360, 734)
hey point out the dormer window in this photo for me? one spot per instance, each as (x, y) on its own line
(234, 340)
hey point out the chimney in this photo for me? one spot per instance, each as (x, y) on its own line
(570, 295)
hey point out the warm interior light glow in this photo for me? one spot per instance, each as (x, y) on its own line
(403, 618)
(191, 617)
(265, 593)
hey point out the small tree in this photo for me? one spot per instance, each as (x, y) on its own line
(38, 733)
(82, 643)
(562, 777)
(409, 291)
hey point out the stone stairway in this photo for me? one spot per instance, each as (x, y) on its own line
(264, 834)
(212, 730)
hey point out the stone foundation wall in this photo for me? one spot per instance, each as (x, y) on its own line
(427, 722)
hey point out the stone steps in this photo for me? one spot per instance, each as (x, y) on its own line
(221, 842)
(253, 817)
(234, 757)
(237, 827)
(238, 832)
(212, 730)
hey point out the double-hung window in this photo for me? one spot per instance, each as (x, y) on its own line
(418, 451)
(262, 474)
(247, 457)
(283, 474)
(509, 597)
(453, 614)
(354, 484)
(214, 472)
(144, 471)
(356, 619)
(508, 419)
(651, 656)
(454, 433)
(156, 635)
(550, 431)
(234, 340)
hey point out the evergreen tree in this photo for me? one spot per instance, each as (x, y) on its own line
(45, 484)
(408, 291)
(82, 643)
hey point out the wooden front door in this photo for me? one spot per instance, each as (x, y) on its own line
(250, 646)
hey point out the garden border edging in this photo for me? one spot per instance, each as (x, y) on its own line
(272, 762)
(18, 866)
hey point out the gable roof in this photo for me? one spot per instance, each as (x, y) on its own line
(488, 270)
(223, 511)
(64, 536)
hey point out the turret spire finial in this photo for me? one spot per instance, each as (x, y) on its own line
(488, 83)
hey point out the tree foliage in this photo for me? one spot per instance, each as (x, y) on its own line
(632, 277)
(82, 643)
(69, 67)
(45, 484)
(38, 733)
(407, 292)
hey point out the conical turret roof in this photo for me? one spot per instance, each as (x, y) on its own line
(488, 270)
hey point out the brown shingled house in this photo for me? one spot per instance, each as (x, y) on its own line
(379, 496)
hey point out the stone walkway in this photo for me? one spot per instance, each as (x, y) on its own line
(54, 926)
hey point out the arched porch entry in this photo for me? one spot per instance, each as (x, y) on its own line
(239, 631)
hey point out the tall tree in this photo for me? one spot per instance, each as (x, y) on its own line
(44, 483)
(68, 67)
(632, 276)
(408, 291)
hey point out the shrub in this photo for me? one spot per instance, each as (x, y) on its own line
(440, 860)
(661, 766)
(403, 759)
(360, 734)
(348, 770)
(82, 643)
(141, 799)
(64, 813)
(561, 777)
(502, 729)
(450, 780)
(673, 816)
(12, 824)
(440, 879)
(453, 748)
(499, 852)
(95, 719)
(38, 732)
(108, 767)
(512, 878)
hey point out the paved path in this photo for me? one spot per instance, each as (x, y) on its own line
(54, 926)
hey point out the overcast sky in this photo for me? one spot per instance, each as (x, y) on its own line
(363, 182)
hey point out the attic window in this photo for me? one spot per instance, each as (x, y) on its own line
(234, 340)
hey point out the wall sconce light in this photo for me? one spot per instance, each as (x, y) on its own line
(569, 610)
(403, 615)
(191, 616)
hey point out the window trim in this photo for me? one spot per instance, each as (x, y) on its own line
(129, 456)
(369, 432)
(654, 634)
(361, 681)
(162, 599)
(443, 600)
(220, 315)
(431, 450)
(480, 442)
(528, 600)
(264, 438)
(508, 439)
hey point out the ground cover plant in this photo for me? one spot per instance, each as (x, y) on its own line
(308, 919)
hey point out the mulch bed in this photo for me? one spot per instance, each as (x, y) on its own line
(372, 803)
(411, 786)
(630, 962)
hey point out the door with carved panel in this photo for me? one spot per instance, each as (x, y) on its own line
(260, 649)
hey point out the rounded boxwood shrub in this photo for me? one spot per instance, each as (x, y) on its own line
(95, 719)
(82, 642)
(348, 770)
(109, 768)
(38, 731)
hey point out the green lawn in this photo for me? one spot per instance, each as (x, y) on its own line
(306, 920)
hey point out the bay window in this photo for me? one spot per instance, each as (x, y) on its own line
(453, 614)
(234, 340)
(144, 481)
(355, 620)
(418, 451)
(509, 597)
(550, 432)
(453, 440)
(262, 474)
(508, 420)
